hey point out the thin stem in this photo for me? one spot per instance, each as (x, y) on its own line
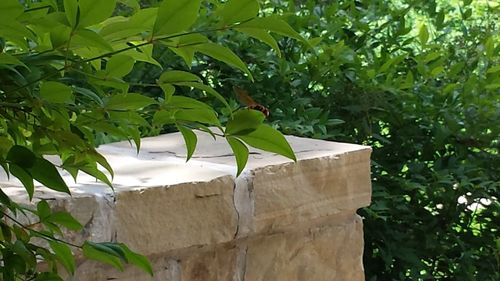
(124, 50)
(41, 233)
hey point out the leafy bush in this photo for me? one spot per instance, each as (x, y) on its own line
(419, 82)
(64, 88)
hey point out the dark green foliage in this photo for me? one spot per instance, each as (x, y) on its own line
(418, 81)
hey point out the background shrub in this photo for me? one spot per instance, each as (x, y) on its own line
(419, 82)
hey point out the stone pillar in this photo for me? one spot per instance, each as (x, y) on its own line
(278, 221)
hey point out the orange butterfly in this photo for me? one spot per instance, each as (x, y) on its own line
(245, 99)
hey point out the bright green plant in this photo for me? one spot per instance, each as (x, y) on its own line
(64, 88)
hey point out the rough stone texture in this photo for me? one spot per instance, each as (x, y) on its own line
(279, 220)
(321, 253)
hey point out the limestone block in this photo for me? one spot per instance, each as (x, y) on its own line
(155, 220)
(207, 263)
(325, 253)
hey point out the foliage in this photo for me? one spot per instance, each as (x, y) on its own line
(419, 82)
(64, 89)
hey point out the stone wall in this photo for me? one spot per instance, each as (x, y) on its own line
(278, 221)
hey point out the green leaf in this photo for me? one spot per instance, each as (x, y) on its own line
(273, 24)
(85, 38)
(175, 76)
(96, 252)
(423, 34)
(489, 47)
(56, 92)
(137, 259)
(8, 59)
(162, 117)
(89, 94)
(119, 66)
(64, 219)
(269, 139)
(261, 35)
(43, 210)
(20, 248)
(10, 9)
(186, 102)
(190, 140)
(48, 276)
(64, 255)
(134, 4)
(175, 16)
(437, 70)
(21, 156)
(93, 171)
(46, 173)
(128, 101)
(238, 10)
(207, 89)
(244, 121)
(184, 45)
(71, 11)
(223, 54)
(201, 115)
(25, 178)
(100, 159)
(240, 151)
(168, 91)
(95, 11)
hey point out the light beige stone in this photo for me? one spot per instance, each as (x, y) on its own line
(322, 253)
(279, 220)
(156, 220)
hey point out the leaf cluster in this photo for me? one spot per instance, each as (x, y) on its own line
(65, 87)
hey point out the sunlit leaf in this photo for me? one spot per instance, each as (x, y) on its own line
(175, 16)
(64, 255)
(240, 151)
(190, 140)
(268, 139)
(238, 10)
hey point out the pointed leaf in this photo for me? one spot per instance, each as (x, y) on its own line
(273, 24)
(244, 121)
(56, 92)
(207, 89)
(119, 66)
(175, 16)
(175, 76)
(238, 10)
(223, 54)
(64, 219)
(261, 35)
(423, 34)
(137, 259)
(64, 255)
(129, 101)
(202, 115)
(190, 140)
(186, 102)
(269, 139)
(21, 156)
(71, 11)
(95, 11)
(25, 178)
(46, 173)
(240, 151)
(91, 251)
(10, 9)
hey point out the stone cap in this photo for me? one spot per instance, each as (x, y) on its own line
(160, 202)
